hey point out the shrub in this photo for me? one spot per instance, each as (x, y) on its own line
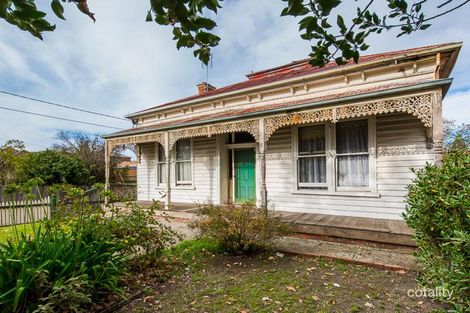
(53, 167)
(438, 209)
(71, 260)
(239, 228)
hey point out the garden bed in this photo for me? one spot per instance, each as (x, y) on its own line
(275, 283)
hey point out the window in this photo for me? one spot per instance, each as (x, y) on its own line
(183, 162)
(161, 165)
(311, 157)
(335, 157)
(352, 154)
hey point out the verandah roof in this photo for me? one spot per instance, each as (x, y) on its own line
(289, 106)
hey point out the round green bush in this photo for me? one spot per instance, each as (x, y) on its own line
(438, 209)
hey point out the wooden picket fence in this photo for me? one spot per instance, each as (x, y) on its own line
(22, 212)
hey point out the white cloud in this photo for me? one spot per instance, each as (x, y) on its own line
(457, 106)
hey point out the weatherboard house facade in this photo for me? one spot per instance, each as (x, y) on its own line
(336, 140)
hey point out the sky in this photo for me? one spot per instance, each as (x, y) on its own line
(121, 64)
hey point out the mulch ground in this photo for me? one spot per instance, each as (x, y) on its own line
(271, 283)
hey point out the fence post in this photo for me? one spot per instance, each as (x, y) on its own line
(53, 204)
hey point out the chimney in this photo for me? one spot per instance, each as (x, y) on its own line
(204, 87)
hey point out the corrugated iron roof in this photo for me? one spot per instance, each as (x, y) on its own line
(291, 70)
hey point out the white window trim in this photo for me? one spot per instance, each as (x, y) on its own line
(183, 184)
(158, 162)
(332, 188)
(297, 157)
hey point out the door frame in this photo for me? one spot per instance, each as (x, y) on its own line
(243, 146)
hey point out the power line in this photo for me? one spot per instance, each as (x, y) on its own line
(58, 118)
(61, 105)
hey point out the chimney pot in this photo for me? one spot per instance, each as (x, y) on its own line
(204, 87)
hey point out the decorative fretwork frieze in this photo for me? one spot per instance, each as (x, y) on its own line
(137, 139)
(403, 150)
(176, 135)
(274, 123)
(251, 127)
(418, 105)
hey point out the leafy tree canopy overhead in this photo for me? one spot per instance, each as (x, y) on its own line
(331, 36)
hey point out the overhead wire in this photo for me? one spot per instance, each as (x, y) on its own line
(58, 118)
(61, 105)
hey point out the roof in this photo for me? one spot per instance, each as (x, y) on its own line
(337, 98)
(292, 70)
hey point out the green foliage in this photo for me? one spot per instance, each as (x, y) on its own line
(53, 167)
(239, 228)
(339, 40)
(72, 259)
(438, 209)
(10, 155)
(25, 15)
(190, 250)
(139, 231)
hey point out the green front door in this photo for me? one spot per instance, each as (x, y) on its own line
(244, 175)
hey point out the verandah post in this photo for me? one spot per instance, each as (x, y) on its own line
(168, 171)
(262, 159)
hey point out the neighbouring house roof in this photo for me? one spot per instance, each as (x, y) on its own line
(337, 98)
(297, 69)
(126, 164)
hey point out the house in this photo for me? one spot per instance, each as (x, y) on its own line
(332, 141)
(126, 169)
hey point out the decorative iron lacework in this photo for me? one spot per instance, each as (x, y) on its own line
(418, 105)
(274, 123)
(154, 137)
(187, 133)
(251, 127)
(403, 150)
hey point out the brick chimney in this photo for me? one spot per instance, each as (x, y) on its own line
(204, 87)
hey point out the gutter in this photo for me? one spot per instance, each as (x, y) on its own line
(445, 83)
(340, 70)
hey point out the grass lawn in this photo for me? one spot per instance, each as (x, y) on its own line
(7, 232)
(270, 283)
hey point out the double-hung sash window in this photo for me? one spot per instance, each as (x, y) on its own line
(311, 157)
(183, 162)
(335, 157)
(352, 154)
(161, 165)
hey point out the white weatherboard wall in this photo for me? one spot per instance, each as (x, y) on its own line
(205, 178)
(393, 173)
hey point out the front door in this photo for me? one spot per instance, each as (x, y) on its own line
(244, 171)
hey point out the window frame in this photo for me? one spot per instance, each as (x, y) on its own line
(331, 162)
(186, 183)
(299, 156)
(159, 146)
